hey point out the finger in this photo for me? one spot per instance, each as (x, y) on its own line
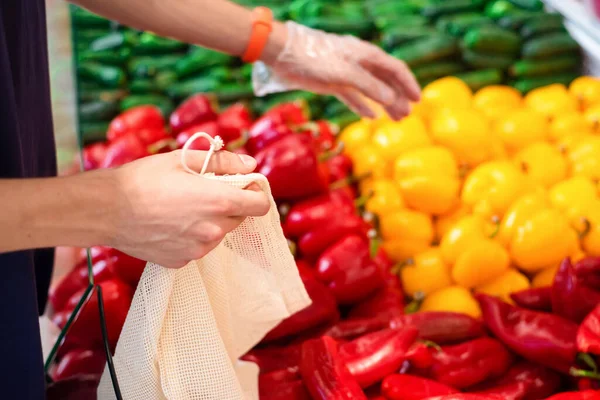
(356, 103)
(235, 202)
(221, 162)
(366, 83)
(392, 70)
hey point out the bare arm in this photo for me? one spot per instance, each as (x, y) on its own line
(217, 24)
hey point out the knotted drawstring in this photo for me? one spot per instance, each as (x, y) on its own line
(216, 144)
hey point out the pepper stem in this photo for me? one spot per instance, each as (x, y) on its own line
(283, 209)
(587, 227)
(239, 142)
(347, 181)
(328, 155)
(155, 147)
(415, 304)
(362, 200)
(588, 360)
(582, 373)
(429, 343)
(374, 242)
(292, 247)
(496, 222)
(398, 267)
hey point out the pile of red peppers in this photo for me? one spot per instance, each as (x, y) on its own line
(356, 340)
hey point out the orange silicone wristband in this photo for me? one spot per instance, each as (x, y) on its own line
(262, 25)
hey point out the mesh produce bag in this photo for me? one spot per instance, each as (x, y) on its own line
(187, 328)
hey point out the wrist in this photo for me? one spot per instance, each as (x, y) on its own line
(275, 43)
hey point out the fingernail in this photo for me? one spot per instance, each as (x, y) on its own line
(247, 160)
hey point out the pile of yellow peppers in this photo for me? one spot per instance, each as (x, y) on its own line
(483, 192)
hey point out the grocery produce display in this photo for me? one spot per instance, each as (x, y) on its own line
(450, 255)
(483, 42)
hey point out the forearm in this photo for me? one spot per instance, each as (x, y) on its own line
(71, 211)
(217, 24)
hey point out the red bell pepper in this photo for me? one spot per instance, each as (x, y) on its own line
(264, 132)
(322, 310)
(583, 395)
(372, 357)
(60, 293)
(324, 135)
(93, 155)
(465, 396)
(234, 122)
(353, 328)
(292, 113)
(588, 335)
(86, 328)
(80, 362)
(523, 381)
(539, 299)
(410, 387)
(386, 303)
(122, 150)
(82, 387)
(292, 167)
(128, 269)
(271, 359)
(347, 269)
(193, 111)
(467, 364)
(315, 213)
(292, 390)
(588, 270)
(340, 167)
(313, 243)
(571, 297)
(544, 338)
(211, 128)
(135, 119)
(325, 374)
(441, 327)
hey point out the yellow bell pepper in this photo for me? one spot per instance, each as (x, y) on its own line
(434, 194)
(465, 132)
(520, 128)
(405, 233)
(426, 272)
(585, 158)
(586, 89)
(505, 284)
(452, 299)
(592, 116)
(493, 187)
(542, 240)
(447, 92)
(394, 138)
(519, 212)
(496, 100)
(551, 99)
(367, 160)
(431, 160)
(567, 142)
(356, 135)
(385, 198)
(589, 229)
(543, 163)
(574, 197)
(481, 262)
(463, 234)
(445, 222)
(544, 277)
(567, 123)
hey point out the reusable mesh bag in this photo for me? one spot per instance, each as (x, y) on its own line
(187, 328)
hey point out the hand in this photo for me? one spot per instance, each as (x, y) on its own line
(169, 217)
(344, 66)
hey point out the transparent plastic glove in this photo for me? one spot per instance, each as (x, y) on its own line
(344, 66)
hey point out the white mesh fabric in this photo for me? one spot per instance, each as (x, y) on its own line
(187, 328)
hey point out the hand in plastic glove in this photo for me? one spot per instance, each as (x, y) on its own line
(170, 217)
(344, 66)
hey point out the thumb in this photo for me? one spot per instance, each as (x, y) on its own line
(221, 162)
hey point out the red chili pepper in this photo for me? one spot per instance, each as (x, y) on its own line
(122, 150)
(313, 214)
(271, 359)
(588, 335)
(353, 328)
(211, 128)
(86, 327)
(93, 155)
(571, 297)
(313, 243)
(135, 119)
(386, 303)
(288, 374)
(410, 387)
(322, 310)
(292, 167)
(128, 269)
(347, 269)
(583, 395)
(420, 355)
(588, 270)
(80, 362)
(441, 327)
(372, 357)
(193, 111)
(539, 337)
(539, 299)
(325, 374)
(234, 121)
(523, 381)
(469, 363)
(293, 390)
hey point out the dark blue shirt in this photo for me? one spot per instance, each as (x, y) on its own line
(26, 150)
